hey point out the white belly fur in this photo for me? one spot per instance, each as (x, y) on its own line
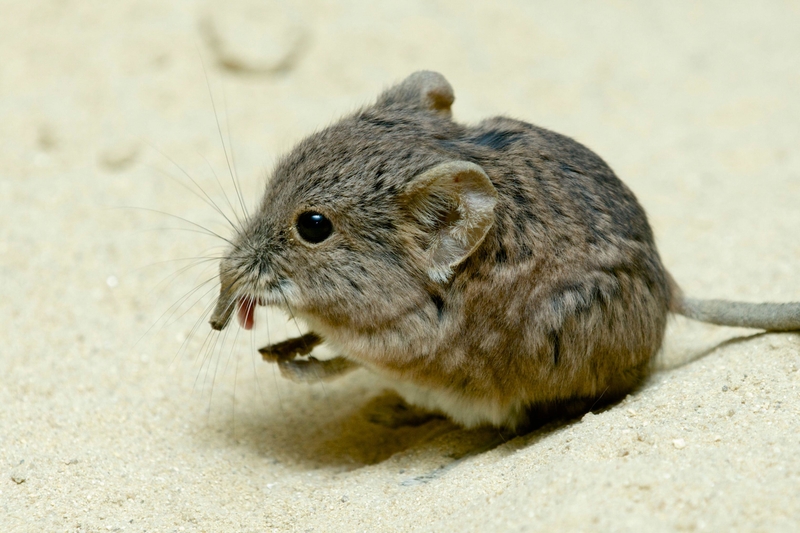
(465, 411)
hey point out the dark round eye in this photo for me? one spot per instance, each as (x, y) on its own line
(314, 227)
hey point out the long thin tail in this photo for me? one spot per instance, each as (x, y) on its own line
(768, 316)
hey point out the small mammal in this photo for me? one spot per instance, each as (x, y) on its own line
(499, 273)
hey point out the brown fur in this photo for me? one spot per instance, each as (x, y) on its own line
(561, 303)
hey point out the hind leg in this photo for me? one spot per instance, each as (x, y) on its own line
(567, 409)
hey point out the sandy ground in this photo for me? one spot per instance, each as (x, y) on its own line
(113, 416)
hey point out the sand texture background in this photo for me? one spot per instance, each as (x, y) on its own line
(114, 414)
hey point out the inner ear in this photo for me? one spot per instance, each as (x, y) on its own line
(452, 209)
(423, 89)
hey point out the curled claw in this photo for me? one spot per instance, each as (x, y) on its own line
(309, 370)
(290, 348)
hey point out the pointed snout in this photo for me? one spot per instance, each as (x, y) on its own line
(226, 305)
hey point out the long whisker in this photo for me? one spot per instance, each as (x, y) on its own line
(206, 349)
(169, 228)
(184, 344)
(291, 313)
(222, 139)
(168, 280)
(205, 198)
(165, 317)
(195, 224)
(300, 333)
(197, 323)
(274, 367)
(216, 366)
(178, 273)
(235, 380)
(221, 188)
(172, 319)
(233, 154)
(196, 261)
(174, 307)
(224, 338)
(253, 362)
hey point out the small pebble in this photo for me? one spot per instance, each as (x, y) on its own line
(679, 443)
(119, 154)
(46, 138)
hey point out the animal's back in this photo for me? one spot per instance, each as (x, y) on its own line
(566, 298)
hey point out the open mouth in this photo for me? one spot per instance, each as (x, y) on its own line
(245, 307)
(246, 310)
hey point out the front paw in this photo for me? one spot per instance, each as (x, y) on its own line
(290, 348)
(313, 370)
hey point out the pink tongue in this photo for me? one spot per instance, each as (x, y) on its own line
(246, 309)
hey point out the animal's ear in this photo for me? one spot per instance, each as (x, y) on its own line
(423, 89)
(451, 208)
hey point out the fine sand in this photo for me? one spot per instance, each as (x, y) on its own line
(118, 410)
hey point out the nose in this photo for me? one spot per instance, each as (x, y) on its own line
(226, 304)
